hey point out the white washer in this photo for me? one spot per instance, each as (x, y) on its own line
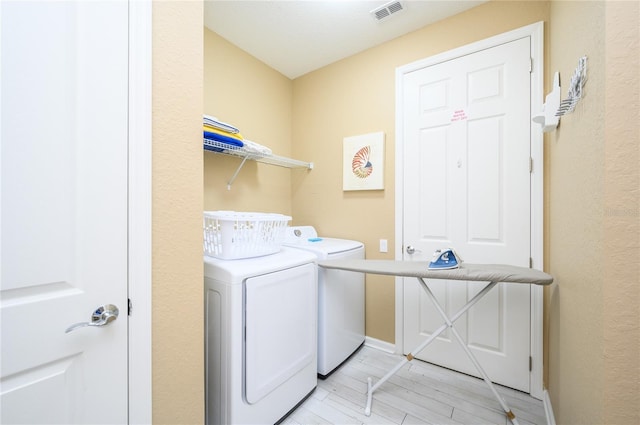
(340, 297)
(260, 336)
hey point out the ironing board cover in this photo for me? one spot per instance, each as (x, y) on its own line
(466, 271)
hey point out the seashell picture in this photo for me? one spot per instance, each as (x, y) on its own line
(363, 158)
(360, 165)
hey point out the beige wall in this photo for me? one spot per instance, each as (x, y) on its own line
(177, 334)
(574, 203)
(621, 201)
(621, 299)
(592, 190)
(243, 91)
(357, 96)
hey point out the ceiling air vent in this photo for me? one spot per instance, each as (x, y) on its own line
(387, 10)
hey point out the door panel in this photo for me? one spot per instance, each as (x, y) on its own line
(64, 210)
(485, 199)
(466, 177)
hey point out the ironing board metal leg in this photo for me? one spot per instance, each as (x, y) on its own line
(397, 367)
(434, 335)
(473, 359)
(371, 389)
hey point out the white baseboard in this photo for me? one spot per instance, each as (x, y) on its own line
(548, 409)
(380, 345)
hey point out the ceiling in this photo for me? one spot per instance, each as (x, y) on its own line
(297, 37)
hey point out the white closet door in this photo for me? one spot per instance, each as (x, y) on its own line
(467, 185)
(64, 210)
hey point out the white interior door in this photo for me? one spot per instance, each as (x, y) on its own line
(467, 186)
(64, 210)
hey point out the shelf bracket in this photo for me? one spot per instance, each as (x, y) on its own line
(233, 178)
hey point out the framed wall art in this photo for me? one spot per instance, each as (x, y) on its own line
(363, 162)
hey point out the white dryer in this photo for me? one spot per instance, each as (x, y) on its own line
(260, 336)
(340, 297)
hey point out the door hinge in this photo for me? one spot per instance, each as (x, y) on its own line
(129, 306)
(530, 262)
(530, 65)
(530, 165)
(530, 363)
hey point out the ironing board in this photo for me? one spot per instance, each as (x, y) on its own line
(491, 273)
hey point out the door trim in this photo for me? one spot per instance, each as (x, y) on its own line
(139, 213)
(536, 33)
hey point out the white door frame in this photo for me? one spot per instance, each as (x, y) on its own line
(139, 212)
(536, 32)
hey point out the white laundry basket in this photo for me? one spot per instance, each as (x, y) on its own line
(231, 235)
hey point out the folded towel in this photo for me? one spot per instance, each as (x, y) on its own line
(256, 148)
(223, 133)
(220, 138)
(210, 121)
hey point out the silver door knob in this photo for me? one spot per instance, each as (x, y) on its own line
(410, 250)
(101, 317)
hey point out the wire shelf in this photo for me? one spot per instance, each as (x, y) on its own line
(230, 150)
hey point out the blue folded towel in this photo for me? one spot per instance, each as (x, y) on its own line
(233, 143)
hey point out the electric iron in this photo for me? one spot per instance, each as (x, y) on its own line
(445, 259)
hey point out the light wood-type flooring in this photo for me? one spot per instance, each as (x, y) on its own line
(420, 393)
